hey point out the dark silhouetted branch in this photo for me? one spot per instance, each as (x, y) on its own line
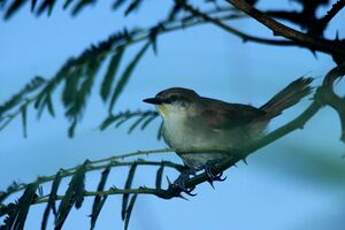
(316, 44)
(335, 9)
(245, 37)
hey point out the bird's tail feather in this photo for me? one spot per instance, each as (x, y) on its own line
(288, 97)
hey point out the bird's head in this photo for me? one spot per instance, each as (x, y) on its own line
(176, 101)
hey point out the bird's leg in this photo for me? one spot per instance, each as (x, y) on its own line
(180, 182)
(209, 168)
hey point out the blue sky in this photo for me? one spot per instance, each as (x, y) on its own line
(287, 185)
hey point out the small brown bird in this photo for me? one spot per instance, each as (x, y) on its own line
(192, 123)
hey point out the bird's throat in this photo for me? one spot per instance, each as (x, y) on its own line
(163, 110)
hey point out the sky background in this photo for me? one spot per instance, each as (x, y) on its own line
(297, 182)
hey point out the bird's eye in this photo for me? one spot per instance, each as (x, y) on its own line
(173, 98)
(183, 103)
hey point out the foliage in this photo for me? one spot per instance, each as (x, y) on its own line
(75, 6)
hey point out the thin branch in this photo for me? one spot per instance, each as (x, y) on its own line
(244, 36)
(6, 122)
(291, 16)
(134, 154)
(9, 117)
(104, 163)
(113, 191)
(303, 39)
(335, 9)
(330, 98)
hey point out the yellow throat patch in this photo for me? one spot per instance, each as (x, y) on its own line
(163, 110)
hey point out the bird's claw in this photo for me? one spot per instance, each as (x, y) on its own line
(188, 191)
(212, 176)
(180, 184)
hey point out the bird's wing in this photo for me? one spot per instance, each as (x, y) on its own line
(223, 115)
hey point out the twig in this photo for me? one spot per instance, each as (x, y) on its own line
(133, 154)
(330, 98)
(11, 116)
(110, 161)
(336, 7)
(113, 191)
(305, 40)
(244, 36)
(291, 16)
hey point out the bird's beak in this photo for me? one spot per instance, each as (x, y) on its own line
(153, 100)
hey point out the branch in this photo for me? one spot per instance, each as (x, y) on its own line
(104, 163)
(113, 191)
(335, 9)
(329, 97)
(306, 19)
(317, 27)
(319, 44)
(291, 16)
(245, 37)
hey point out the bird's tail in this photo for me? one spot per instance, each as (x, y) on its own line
(288, 97)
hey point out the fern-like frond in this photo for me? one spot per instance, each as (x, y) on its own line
(74, 6)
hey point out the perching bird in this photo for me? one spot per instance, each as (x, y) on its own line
(192, 122)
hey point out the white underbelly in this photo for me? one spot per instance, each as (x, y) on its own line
(183, 137)
(183, 140)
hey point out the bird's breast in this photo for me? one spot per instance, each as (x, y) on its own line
(176, 132)
(187, 133)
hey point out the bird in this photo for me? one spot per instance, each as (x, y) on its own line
(193, 124)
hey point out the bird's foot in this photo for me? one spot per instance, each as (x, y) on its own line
(210, 169)
(180, 182)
